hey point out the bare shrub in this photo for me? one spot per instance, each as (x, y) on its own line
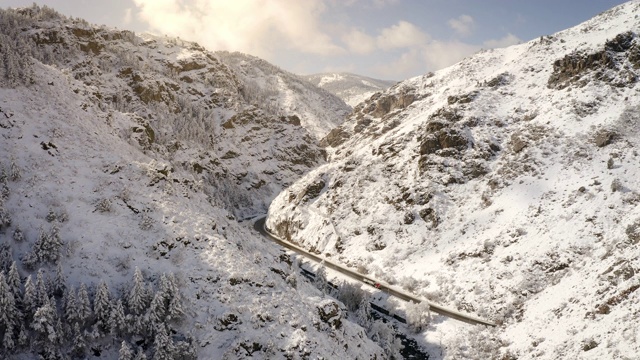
(103, 205)
(410, 284)
(633, 232)
(146, 223)
(616, 185)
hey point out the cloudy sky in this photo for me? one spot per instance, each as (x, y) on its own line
(387, 39)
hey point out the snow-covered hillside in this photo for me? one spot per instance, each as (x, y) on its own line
(250, 128)
(507, 186)
(269, 86)
(120, 152)
(351, 88)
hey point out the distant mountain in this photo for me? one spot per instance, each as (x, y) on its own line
(506, 186)
(351, 88)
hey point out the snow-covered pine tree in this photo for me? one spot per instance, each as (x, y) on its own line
(83, 304)
(363, 313)
(59, 282)
(14, 171)
(175, 310)
(70, 306)
(140, 355)
(4, 190)
(117, 324)
(14, 283)
(125, 352)
(8, 341)
(79, 345)
(102, 306)
(5, 218)
(18, 235)
(8, 311)
(23, 336)
(156, 311)
(136, 301)
(42, 293)
(185, 350)
(44, 324)
(29, 302)
(162, 344)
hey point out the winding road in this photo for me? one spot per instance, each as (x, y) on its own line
(259, 226)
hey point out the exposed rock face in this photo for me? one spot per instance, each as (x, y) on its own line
(330, 313)
(373, 117)
(618, 64)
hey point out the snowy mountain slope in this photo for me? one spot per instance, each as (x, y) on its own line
(93, 151)
(351, 88)
(506, 185)
(194, 104)
(267, 85)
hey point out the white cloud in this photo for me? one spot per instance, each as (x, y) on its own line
(359, 42)
(126, 19)
(259, 27)
(440, 54)
(507, 40)
(402, 35)
(463, 25)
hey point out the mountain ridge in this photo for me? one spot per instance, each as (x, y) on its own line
(351, 88)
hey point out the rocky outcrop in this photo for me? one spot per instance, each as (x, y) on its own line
(617, 65)
(330, 313)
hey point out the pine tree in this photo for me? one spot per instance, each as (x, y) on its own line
(363, 314)
(14, 283)
(44, 323)
(7, 340)
(137, 296)
(83, 304)
(117, 322)
(8, 311)
(29, 302)
(14, 173)
(185, 350)
(23, 337)
(175, 310)
(71, 306)
(163, 345)
(125, 352)
(79, 346)
(156, 311)
(42, 293)
(5, 219)
(18, 235)
(140, 355)
(102, 306)
(47, 246)
(59, 282)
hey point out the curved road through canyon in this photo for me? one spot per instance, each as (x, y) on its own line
(259, 226)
